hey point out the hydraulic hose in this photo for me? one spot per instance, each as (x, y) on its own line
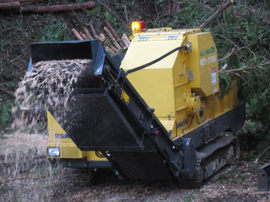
(156, 60)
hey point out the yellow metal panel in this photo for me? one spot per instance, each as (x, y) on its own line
(91, 155)
(156, 88)
(57, 135)
(169, 125)
(155, 83)
(167, 85)
(204, 63)
(151, 51)
(70, 152)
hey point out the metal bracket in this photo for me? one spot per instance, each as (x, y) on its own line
(190, 75)
(172, 36)
(99, 63)
(189, 159)
(143, 38)
(189, 43)
(30, 65)
(263, 174)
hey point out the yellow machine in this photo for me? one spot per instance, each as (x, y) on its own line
(165, 117)
(60, 146)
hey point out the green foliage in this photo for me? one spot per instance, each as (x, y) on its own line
(189, 198)
(232, 177)
(6, 104)
(55, 32)
(243, 30)
(4, 113)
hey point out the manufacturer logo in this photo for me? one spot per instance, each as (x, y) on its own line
(61, 136)
(208, 51)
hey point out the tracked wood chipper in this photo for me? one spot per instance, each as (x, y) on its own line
(151, 113)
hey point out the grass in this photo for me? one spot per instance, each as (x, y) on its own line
(233, 177)
(190, 198)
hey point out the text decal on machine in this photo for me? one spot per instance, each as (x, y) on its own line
(208, 51)
(182, 123)
(214, 76)
(209, 60)
(61, 136)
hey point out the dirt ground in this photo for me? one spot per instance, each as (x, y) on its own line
(26, 175)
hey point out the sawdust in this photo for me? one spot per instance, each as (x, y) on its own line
(47, 87)
(25, 172)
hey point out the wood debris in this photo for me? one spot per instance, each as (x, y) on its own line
(113, 47)
(17, 5)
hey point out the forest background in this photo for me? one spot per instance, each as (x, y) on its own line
(241, 33)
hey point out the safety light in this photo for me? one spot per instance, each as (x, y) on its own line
(135, 26)
(138, 26)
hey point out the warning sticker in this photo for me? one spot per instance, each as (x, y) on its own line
(125, 97)
(214, 76)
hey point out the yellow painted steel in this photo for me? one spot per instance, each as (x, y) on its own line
(183, 87)
(68, 150)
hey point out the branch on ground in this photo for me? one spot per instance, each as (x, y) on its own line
(7, 92)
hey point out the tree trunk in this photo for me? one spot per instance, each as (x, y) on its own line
(21, 1)
(10, 5)
(58, 8)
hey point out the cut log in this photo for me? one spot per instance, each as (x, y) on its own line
(112, 30)
(10, 6)
(77, 35)
(95, 33)
(102, 35)
(100, 39)
(83, 36)
(125, 39)
(108, 49)
(58, 8)
(112, 38)
(21, 1)
(214, 15)
(92, 28)
(87, 33)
